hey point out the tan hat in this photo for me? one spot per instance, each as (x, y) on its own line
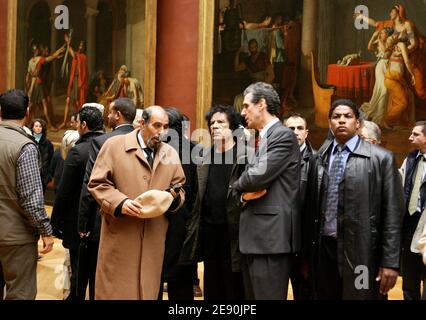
(154, 203)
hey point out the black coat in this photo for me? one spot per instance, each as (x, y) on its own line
(65, 209)
(56, 168)
(191, 250)
(89, 219)
(304, 169)
(46, 154)
(368, 222)
(176, 231)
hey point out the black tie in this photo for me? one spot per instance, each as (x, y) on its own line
(149, 156)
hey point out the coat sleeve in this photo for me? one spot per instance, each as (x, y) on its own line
(101, 183)
(66, 190)
(421, 244)
(88, 205)
(282, 150)
(392, 213)
(178, 177)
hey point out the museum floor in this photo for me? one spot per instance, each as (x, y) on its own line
(50, 275)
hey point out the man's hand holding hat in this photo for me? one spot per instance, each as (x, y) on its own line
(152, 204)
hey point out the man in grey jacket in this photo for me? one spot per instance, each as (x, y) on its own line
(269, 226)
(23, 217)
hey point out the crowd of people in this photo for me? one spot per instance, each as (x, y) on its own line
(142, 205)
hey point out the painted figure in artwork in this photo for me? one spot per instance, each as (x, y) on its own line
(34, 80)
(412, 39)
(78, 78)
(123, 86)
(400, 108)
(375, 109)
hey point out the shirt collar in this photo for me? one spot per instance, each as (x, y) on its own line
(122, 125)
(265, 129)
(351, 144)
(303, 147)
(419, 154)
(141, 142)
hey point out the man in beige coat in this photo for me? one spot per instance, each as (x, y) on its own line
(131, 249)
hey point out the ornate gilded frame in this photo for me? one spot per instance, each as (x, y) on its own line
(205, 59)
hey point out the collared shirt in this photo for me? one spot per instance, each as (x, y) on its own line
(351, 145)
(419, 200)
(122, 125)
(30, 190)
(143, 145)
(264, 131)
(302, 147)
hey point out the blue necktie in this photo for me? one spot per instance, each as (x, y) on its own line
(336, 175)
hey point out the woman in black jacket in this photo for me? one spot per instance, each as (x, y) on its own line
(39, 130)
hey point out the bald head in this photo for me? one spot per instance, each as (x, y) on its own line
(154, 124)
(150, 111)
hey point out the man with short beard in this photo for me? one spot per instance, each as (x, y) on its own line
(131, 248)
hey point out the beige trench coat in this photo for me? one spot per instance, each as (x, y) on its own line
(131, 250)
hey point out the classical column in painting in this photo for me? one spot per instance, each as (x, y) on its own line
(91, 38)
(310, 11)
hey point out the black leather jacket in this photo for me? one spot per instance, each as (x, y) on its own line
(369, 222)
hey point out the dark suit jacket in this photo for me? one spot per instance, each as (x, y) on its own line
(271, 224)
(88, 217)
(65, 209)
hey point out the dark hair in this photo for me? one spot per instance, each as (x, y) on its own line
(146, 115)
(421, 124)
(74, 114)
(93, 118)
(126, 107)
(262, 90)
(43, 126)
(295, 115)
(344, 102)
(175, 119)
(253, 41)
(13, 104)
(231, 114)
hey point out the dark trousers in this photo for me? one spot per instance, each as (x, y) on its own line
(178, 289)
(413, 272)
(301, 286)
(269, 275)
(220, 283)
(2, 283)
(330, 283)
(86, 272)
(74, 269)
(18, 266)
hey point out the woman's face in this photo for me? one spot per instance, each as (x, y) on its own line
(383, 36)
(37, 128)
(393, 14)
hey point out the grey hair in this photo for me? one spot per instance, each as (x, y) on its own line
(68, 141)
(262, 90)
(373, 130)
